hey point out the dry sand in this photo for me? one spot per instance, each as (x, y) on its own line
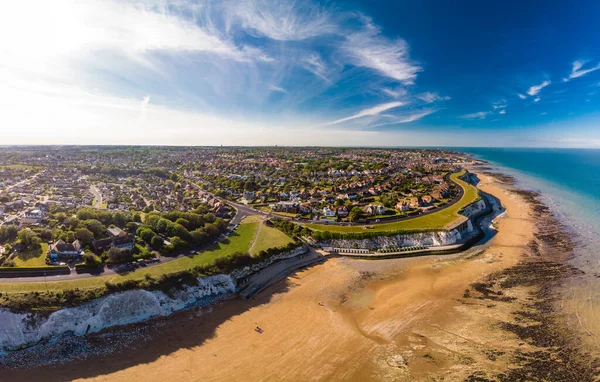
(405, 319)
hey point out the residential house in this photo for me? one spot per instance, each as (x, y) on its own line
(32, 217)
(403, 206)
(305, 208)
(375, 209)
(343, 211)
(352, 196)
(117, 238)
(61, 249)
(329, 211)
(249, 195)
(288, 207)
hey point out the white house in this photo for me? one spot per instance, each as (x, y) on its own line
(375, 209)
(329, 211)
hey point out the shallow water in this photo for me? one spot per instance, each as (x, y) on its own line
(569, 181)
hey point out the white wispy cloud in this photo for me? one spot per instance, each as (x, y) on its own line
(121, 63)
(430, 97)
(277, 89)
(282, 20)
(394, 93)
(478, 115)
(578, 71)
(64, 30)
(372, 111)
(536, 99)
(502, 111)
(315, 64)
(535, 89)
(499, 105)
(522, 96)
(403, 118)
(390, 58)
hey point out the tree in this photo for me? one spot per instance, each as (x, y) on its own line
(60, 216)
(119, 219)
(174, 229)
(91, 260)
(199, 235)
(118, 255)
(355, 214)
(28, 238)
(95, 226)
(73, 223)
(131, 227)
(84, 235)
(68, 236)
(178, 243)
(46, 235)
(157, 242)
(183, 222)
(212, 230)
(146, 234)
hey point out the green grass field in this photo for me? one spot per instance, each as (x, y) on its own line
(240, 241)
(437, 220)
(269, 237)
(32, 258)
(20, 166)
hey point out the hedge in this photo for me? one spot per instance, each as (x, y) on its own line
(33, 269)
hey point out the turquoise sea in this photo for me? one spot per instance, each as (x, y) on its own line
(569, 182)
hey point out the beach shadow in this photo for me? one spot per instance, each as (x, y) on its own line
(182, 330)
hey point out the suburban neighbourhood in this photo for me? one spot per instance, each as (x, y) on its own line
(94, 210)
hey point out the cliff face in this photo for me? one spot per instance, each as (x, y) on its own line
(429, 239)
(473, 209)
(246, 271)
(21, 330)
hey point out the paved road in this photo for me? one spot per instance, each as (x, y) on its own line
(25, 181)
(98, 195)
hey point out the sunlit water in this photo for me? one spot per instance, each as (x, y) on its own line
(569, 181)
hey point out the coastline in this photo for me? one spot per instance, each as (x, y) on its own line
(351, 319)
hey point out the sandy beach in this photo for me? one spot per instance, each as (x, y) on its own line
(476, 316)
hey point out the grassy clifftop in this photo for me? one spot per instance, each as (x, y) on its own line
(437, 220)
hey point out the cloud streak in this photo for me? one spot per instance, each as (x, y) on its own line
(535, 89)
(430, 97)
(390, 58)
(578, 71)
(478, 115)
(282, 20)
(372, 111)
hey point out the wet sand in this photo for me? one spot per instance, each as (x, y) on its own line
(479, 316)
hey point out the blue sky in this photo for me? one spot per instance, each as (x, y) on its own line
(260, 72)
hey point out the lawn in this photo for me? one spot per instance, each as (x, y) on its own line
(239, 241)
(32, 258)
(269, 237)
(20, 166)
(437, 220)
(268, 209)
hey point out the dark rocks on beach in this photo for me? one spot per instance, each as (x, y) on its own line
(556, 354)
